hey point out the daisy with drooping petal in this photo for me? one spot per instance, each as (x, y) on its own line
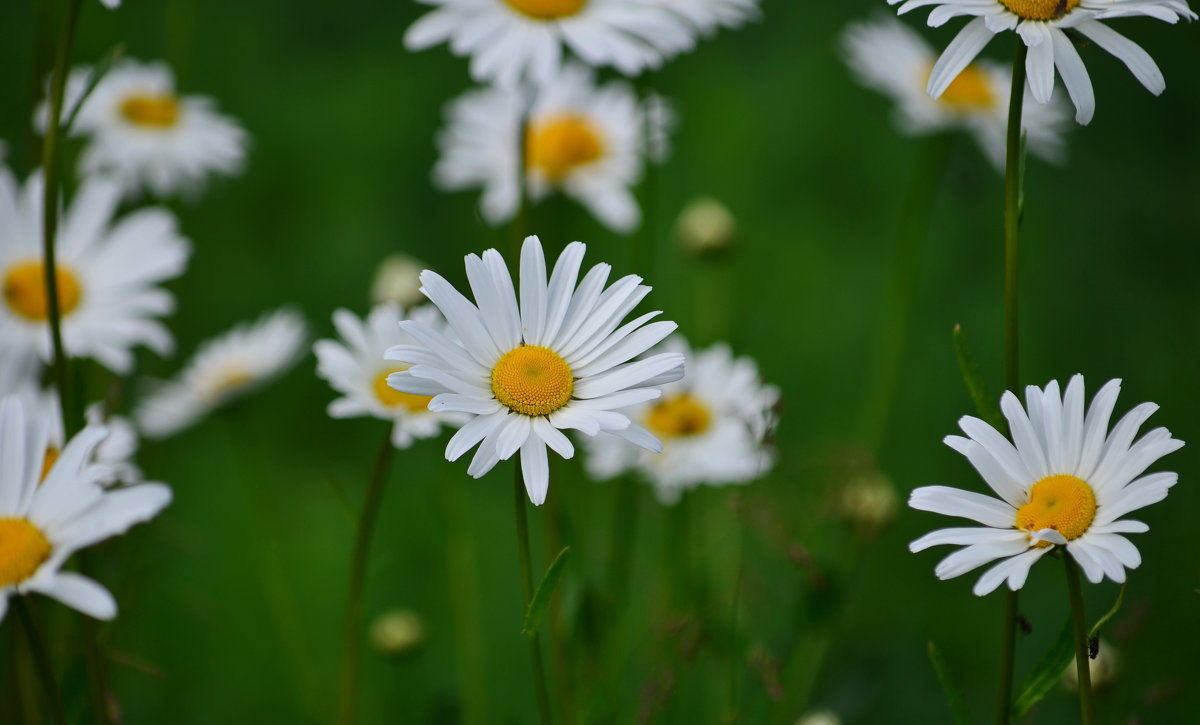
(712, 425)
(1065, 480)
(224, 369)
(525, 372)
(356, 368)
(1042, 25)
(586, 141)
(890, 57)
(46, 519)
(108, 273)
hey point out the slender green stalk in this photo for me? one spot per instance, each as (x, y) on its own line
(624, 533)
(535, 647)
(41, 658)
(1079, 628)
(463, 579)
(352, 645)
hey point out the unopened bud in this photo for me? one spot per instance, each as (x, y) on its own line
(397, 632)
(868, 500)
(705, 227)
(1103, 668)
(820, 717)
(398, 280)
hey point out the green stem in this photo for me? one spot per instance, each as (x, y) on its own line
(1079, 628)
(535, 647)
(41, 658)
(348, 700)
(624, 534)
(463, 582)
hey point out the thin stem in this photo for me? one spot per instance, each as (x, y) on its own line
(1079, 628)
(41, 658)
(348, 701)
(624, 528)
(535, 647)
(463, 581)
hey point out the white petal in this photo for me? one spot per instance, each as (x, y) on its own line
(79, 593)
(535, 470)
(966, 504)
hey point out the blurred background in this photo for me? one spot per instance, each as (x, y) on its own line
(232, 601)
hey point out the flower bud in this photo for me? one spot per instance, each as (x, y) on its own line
(820, 717)
(1103, 669)
(705, 227)
(868, 500)
(398, 280)
(397, 633)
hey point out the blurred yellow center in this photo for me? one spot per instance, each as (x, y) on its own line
(970, 91)
(147, 109)
(23, 548)
(679, 415)
(1060, 502)
(48, 461)
(559, 144)
(547, 9)
(532, 380)
(1040, 9)
(393, 398)
(229, 384)
(25, 290)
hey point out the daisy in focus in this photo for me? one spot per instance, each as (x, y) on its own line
(44, 519)
(559, 359)
(108, 273)
(510, 41)
(224, 369)
(888, 56)
(1066, 480)
(146, 136)
(712, 425)
(586, 141)
(356, 368)
(1042, 25)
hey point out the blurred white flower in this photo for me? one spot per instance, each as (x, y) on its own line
(398, 280)
(706, 16)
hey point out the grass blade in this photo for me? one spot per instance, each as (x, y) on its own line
(954, 698)
(545, 589)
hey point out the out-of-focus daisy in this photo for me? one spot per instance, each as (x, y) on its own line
(891, 58)
(711, 423)
(223, 369)
(44, 520)
(1042, 25)
(1067, 481)
(558, 360)
(513, 40)
(356, 368)
(584, 141)
(706, 16)
(146, 136)
(108, 273)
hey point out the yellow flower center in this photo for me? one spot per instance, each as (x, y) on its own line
(23, 548)
(970, 91)
(229, 384)
(48, 461)
(1060, 502)
(532, 380)
(547, 9)
(678, 416)
(393, 398)
(149, 109)
(559, 144)
(25, 290)
(1040, 9)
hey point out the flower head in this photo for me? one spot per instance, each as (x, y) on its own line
(1065, 480)
(706, 16)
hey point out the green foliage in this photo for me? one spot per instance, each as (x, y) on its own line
(954, 698)
(972, 376)
(545, 590)
(1047, 672)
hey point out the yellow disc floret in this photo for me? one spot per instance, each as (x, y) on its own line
(227, 384)
(970, 91)
(559, 144)
(48, 461)
(23, 548)
(532, 380)
(547, 9)
(151, 110)
(679, 415)
(393, 398)
(25, 290)
(1040, 9)
(1061, 502)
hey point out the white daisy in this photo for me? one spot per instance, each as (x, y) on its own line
(223, 369)
(525, 373)
(43, 521)
(513, 40)
(890, 57)
(108, 273)
(146, 136)
(706, 16)
(1066, 482)
(712, 424)
(1042, 25)
(355, 367)
(583, 140)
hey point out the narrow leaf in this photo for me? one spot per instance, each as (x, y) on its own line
(1116, 607)
(102, 68)
(1047, 672)
(954, 698)
(541, 598)
(985, 404)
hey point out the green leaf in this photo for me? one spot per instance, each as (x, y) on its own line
(541, 598)
(1047, 672)
(1116, 607)
(958, 707)
(973, 377)
(102, 68)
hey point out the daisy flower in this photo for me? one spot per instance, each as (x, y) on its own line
(712, 424)
(1042, 25)
(146, 136)
(108, 273)
(356, 368)
(706, 16)
(223, 369)
(514, 40)
(1066, 480)
(888, 56)
(583, 140)
(525, 372)
(44, 520)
